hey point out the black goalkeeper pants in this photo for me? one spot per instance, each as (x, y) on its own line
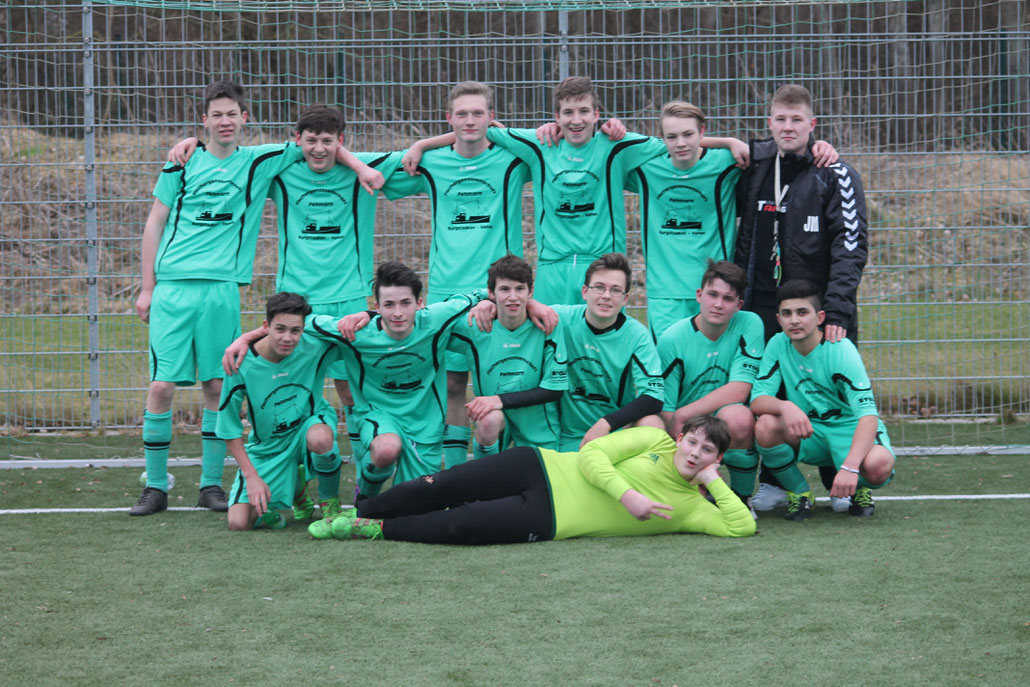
(501, 499)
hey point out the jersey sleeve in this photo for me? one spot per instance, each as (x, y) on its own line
(554, 375)
(568, 313)
(597, 460)
(747, 356)
(636, 149)
(672, 370)
(521, 143)
(323, 328)
(169, 184)
(400, 184)
(647, 368)
(851, 380)
(728, 517)
(270, 160)
(767, 383)
(228, 424)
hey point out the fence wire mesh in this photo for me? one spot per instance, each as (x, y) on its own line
(928, 100)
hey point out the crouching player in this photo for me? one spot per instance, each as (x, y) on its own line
(291, 423)
(829, 417)
(634, 482)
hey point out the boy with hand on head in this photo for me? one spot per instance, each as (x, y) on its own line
(636, 482)
(829, 417)
(518, 371)
(476, 193)
(292, 426)
(710, 361)
(577, 187)
(198, 249)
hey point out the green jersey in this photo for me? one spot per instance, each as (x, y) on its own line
(325, 230)
(577, 192)
(586, 488)
(694, 365)
(607, 369)
(477, 213)
(505, 361)
(216, 205)
(280, 396)
(406, 379)
(686, 217)
(830, 383)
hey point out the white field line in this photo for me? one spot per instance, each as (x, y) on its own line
(820, 499)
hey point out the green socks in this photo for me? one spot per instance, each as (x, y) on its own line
(742, 465)
(780, 460)
(327, 467)
(157, 438)
(455, 445)
(212, 461)
(480, 451)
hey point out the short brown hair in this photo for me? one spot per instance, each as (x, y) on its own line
(321, 119)
(225, 89)
(792, 95)
(575, 87)
(610, 261)
(471, 88)
(683, 110)
(733, 275)
(511, 267)
(714, 429)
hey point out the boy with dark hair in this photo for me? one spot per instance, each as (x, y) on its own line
(636, 482)
(518, 371)
(198, 248)
(710, 361)
(829, 417)
(800, 221)
(291, 424)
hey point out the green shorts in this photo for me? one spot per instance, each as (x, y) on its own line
(279, 470)
(454, 361)
(662, 313)
(416, 459)
(192, 322)
(561, 283)
(338, 370)
(831, 441)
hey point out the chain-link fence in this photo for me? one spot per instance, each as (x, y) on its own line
(928, 100)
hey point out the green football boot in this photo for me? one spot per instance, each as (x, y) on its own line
(350, 527)
(322, 529)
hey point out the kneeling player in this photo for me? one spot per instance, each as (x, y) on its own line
(613, 486)
(829, 417)
(291, 424)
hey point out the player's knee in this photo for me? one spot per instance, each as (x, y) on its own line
(457, 384)
(240, 518)
(878, 465)
(320, 439)
(741, 424)
(385, 450)
(767, 431)
(159, 396)
(212, 390)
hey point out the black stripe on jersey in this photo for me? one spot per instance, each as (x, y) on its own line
(475, 357)
(828, 415)
(838, 377)
(624, 380)
(178, 209)
(153, 355)
(431, 182)
(718, 208)
(246, 197)
(609, 163)
(228, 396)
(208, 435)
(243, 485)
(543, 175)
(645, 209)
(321, 361)
(504, 192)
(677, 362)
(772, 371)
(554, 354)
(285, 236)
(251, 417)
(742, 344)
(354, 208)
(357, 355)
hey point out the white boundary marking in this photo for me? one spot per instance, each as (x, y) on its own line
(820, 499)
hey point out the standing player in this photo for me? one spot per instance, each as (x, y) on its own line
(291, 424)
(829, 417)
(577, 188)
(476, 194)
(636, 482)
(518, 371)
(615, 376)
(325, 231)
(710, 361)
(800, 221)
(198, 247)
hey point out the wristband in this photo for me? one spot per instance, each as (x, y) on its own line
(846, 468)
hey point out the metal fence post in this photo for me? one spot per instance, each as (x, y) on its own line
(563, 45)
(90, 203)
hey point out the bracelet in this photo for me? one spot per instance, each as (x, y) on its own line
(845, 467)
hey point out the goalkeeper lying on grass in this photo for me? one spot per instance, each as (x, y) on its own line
(636, 481)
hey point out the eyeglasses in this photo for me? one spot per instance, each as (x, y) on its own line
(601, 289)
